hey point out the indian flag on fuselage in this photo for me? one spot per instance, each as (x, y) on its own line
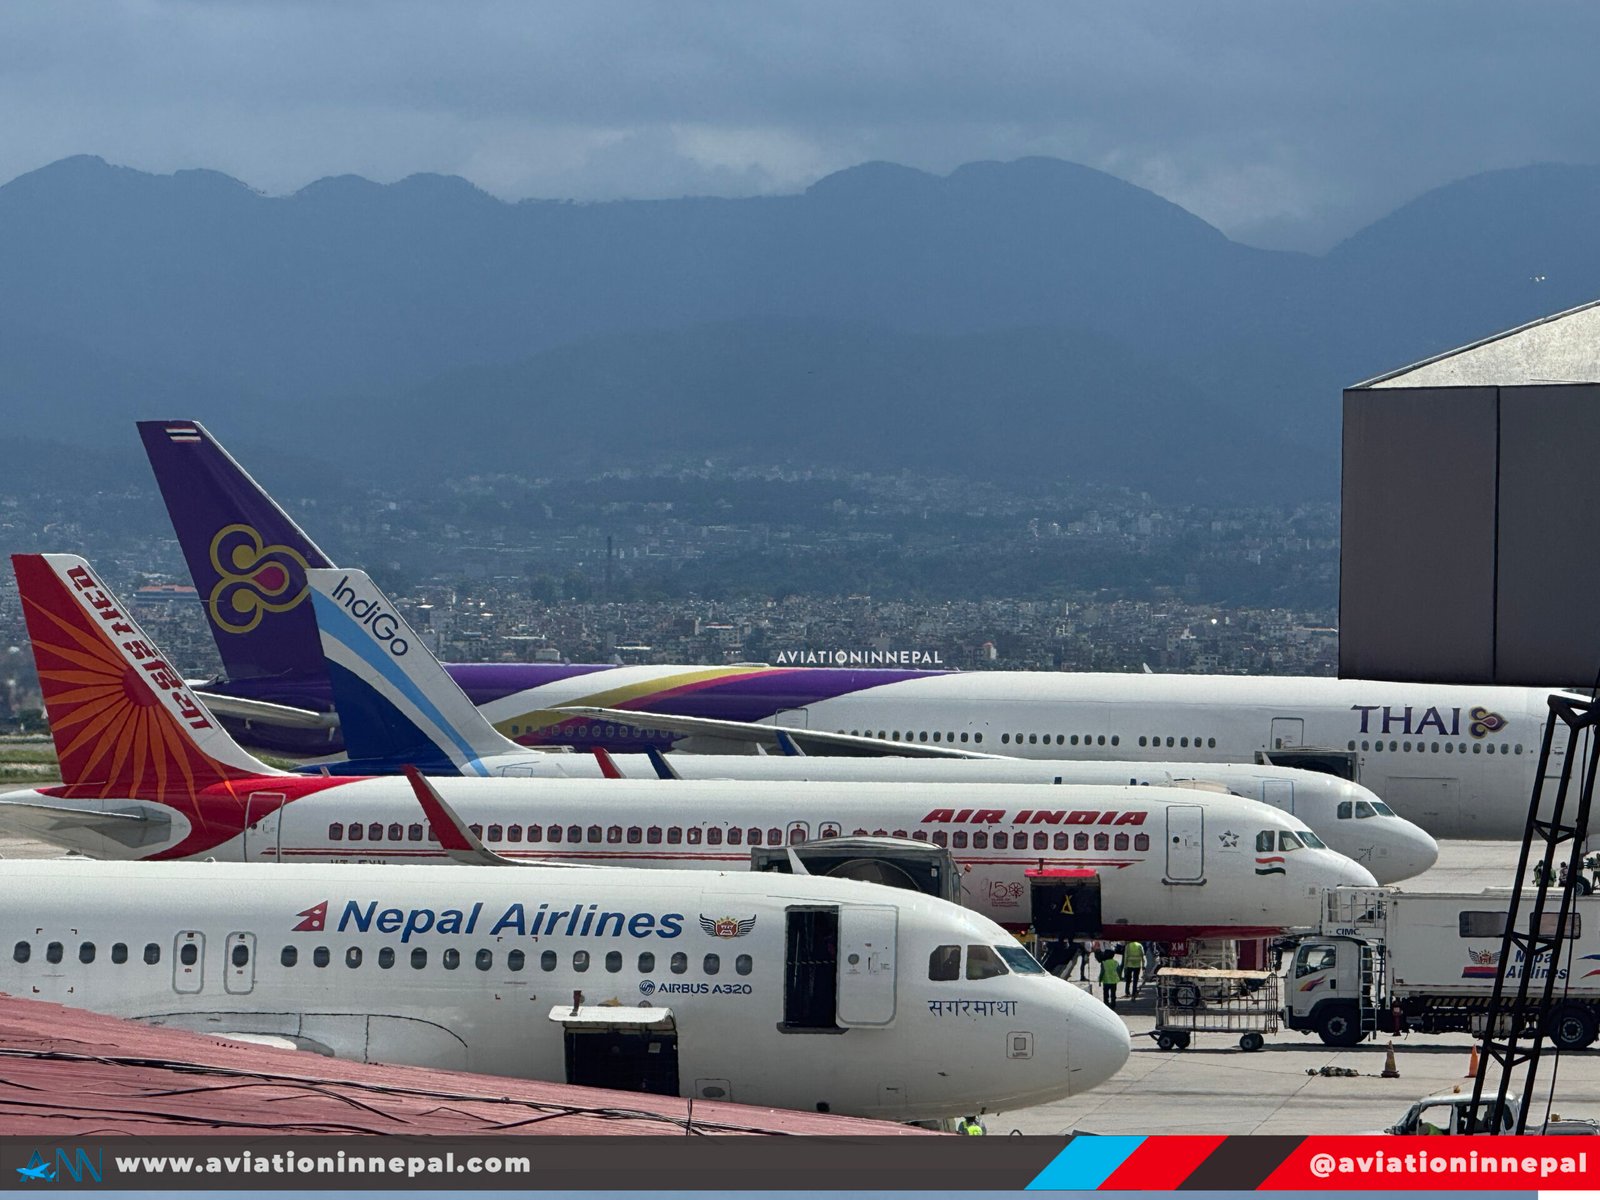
(1270, 864)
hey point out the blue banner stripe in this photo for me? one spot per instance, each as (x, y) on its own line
(1085, 1164)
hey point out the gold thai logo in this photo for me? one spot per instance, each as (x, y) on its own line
(253, 579)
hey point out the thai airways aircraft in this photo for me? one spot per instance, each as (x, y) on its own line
(398, 706)
(1460, 761)
(149, 774)
(675, 982)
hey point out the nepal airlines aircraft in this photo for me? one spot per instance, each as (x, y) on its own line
(397, 706)
(681, 983)
(149, 774)
(1459, 761)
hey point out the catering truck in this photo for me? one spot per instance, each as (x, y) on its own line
(1387, 961)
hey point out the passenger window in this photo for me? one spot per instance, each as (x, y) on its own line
(694, 835)
(980, 840)
(614, 835)
(712, 964)
(290, 956)
(414, 832)
(352, 957)
(476, 830)
(497, 833)
(356, 832)
(635, 835)
(240, 955)
(713, 836)
(744, 964)
(336, 832)
(1041, 840)
(152, 953)
(674, 835)
(1102, 841)
(516, 960)
(984, 963)
(555, 833)
(375, 832)
(188, 953)
(1264, 841)
(945, 963)
(451, 959)
(513, 833)
(419, 958)
(547, 961)
(774, 837)
(613, 961)
(1080, 841)
(680, 963)
(319, 957)
(1141, 841)
(1002, 840)
(119, 953)
(735, 836)
(86, 952)
(754, 837)
(483, 959)
(536, 832)
(397, 832)
(580, 960)
(941, 838)
(386, 958)
(21, 952)
(647, 962)
(594, 833)
(1119, 842)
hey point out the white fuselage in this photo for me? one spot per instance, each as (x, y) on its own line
(1418, 746)
(1346, 815)
(1172, 862)
(729, 977)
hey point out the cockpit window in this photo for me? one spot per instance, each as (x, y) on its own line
(945, 963)
(1310, 839)
(1264, 841)
(1364, 810)
(1020, 961)
(1383, 809)
(984, 963)
(1287, 840)
(1344, 811)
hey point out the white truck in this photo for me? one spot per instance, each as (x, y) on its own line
(1449, 1114)
(1387, 961)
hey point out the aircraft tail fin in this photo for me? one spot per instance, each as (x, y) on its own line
(125, 724)
(395, 700)
(247, 556)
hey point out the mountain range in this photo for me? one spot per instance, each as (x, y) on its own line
(1034, 317)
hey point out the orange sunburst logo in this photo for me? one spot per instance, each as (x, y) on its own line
(113, 733)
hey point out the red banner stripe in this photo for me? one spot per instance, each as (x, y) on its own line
(1161, 1163)
(1523, 1164)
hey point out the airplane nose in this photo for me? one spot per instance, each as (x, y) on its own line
(1099, 1044)
(1346, 872)
(1415, 853)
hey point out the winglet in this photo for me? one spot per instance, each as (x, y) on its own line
(608, 765)
(658, 760)
(457, 841)
(789, 745)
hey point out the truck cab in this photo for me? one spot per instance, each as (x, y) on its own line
(1451, 1114)
(1329, 987)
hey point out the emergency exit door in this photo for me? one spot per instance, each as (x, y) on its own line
(1185, 843)
(866, 964)
(263, 814)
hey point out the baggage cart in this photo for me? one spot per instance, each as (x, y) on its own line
(1193, 1000)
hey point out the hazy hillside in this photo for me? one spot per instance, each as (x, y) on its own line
(1034, 316)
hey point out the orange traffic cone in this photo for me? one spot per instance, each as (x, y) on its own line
(1472, 1064)
(1390, 1071)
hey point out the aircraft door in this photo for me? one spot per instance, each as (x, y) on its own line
(866, 964)
(239, 969)
(263, 817)
(1287, 732)
(1279, 793)
(188, 962)
(1185, 843)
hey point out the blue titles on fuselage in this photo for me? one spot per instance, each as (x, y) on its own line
(581, 920)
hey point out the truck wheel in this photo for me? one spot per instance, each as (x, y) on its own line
(1252, 1041)
(1338, 1026)
(1571, 1028)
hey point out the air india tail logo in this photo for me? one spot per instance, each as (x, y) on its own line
(253, 578)
(313, 920)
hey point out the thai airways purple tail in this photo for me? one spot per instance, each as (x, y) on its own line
(247, 557)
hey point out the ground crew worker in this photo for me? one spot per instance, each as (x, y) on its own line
(1132, 965)
(972, 1127)
(1110, 976)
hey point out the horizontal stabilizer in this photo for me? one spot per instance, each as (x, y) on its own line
(262, 712)
(770, 737)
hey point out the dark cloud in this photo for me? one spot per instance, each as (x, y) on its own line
(1283, 122)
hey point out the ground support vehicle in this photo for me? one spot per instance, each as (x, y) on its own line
(1193, 1000)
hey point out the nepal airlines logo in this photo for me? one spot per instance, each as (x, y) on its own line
(727, 927)
(313, 919)
(253, 579)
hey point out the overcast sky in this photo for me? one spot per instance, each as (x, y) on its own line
(1285, 122)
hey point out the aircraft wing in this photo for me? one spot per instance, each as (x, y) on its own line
(815, 741)
(263, 712)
